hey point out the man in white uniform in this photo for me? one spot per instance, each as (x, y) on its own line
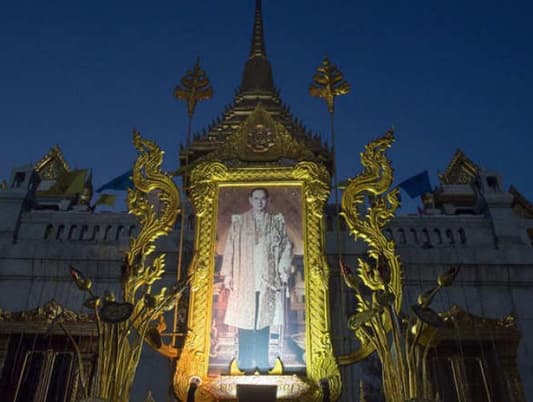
(255, 265)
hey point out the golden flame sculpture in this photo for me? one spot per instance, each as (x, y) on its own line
(379, 323)
(124, 325)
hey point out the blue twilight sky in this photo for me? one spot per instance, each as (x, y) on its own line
(446, 74)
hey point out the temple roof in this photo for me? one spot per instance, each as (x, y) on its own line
(257, 88)
(52, 165)
(460, 170)
(59, 181)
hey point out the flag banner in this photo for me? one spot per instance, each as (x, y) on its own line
(417, 185)
(106, 199)
(122, 182)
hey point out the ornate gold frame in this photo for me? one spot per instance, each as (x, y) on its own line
(206, 180)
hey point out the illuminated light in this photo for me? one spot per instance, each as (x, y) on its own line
(288, 386)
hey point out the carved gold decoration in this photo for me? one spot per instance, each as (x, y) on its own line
(328, 83)
(378, 322)
(47, 313)
(468, 322)
(123, 326)
(195, 87)
(460, 170)
(375, 180)
(261, 139)
(52, 165)
(313, 180)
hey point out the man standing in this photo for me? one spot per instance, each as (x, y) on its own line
(255, 265)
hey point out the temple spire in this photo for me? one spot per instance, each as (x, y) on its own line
(257, 75)
(258, 39)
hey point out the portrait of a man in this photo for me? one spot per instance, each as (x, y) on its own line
(256, 276)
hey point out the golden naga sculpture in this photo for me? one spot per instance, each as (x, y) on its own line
(379, 323)
(123, 326)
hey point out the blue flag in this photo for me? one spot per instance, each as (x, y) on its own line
(417, 185)
(122, 182)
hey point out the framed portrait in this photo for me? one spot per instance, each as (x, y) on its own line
(259, 287)
(258, 311)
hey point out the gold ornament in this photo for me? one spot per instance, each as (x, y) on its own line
(195, 87)
(328, 83)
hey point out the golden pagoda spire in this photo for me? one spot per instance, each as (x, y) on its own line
(257, 75)
(258, 40)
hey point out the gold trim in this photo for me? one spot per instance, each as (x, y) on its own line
(45, 166)
(49, 311)
(460, 170)
(261, 139)
(206, 179)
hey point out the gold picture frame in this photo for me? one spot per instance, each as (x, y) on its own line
(321, 368)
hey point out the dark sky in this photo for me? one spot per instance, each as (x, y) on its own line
(446, 74)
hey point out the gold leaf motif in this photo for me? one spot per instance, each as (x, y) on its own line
(328, 83)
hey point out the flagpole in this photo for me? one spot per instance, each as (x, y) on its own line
(195, 87)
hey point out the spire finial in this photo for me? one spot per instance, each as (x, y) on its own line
(258, 39)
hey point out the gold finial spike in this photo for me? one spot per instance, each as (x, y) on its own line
(258, 39)
(195, 87)
(328, 83)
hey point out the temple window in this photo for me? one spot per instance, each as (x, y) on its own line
(414, 235)
(425, 236)
(438, 236)
(48, 232)
(107, 232)
(449, 236)
(83, 232)
(120, 229)
(492, 183)
(462, 236)
(71, 232)
(96, 231)
(60, 231)
(19, 179)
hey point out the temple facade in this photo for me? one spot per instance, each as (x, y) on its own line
(47, 223)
